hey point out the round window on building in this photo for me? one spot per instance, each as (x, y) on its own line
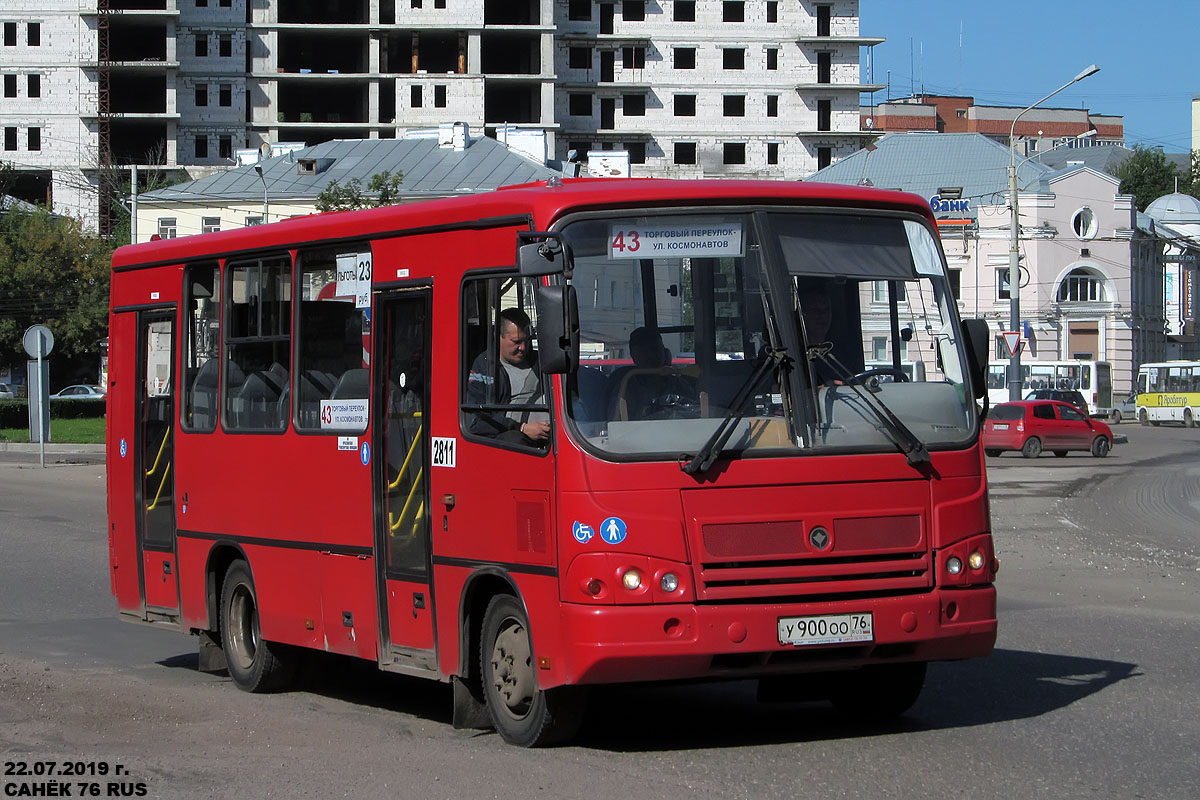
(1084, 223)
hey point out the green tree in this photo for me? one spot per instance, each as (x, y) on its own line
(55, 274)
(383, 190)
(1147, 175)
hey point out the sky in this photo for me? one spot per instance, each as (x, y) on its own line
(1016, 53)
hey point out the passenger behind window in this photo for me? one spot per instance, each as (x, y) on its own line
(515, 380)
(651, 388)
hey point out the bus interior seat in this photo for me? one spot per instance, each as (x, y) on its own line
(203, 404)
(256, 403)
(352, 385)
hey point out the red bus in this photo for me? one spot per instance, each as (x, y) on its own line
(554, 436)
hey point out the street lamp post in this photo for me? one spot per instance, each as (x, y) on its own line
(1014, 230)
(258, 168)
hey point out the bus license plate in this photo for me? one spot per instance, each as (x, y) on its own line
(826, 629)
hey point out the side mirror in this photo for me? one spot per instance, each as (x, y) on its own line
(976, 336)
(543, 253)
(558, 329)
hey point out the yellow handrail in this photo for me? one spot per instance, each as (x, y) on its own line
(412, 448)
(161, 484)
(161, 448)
(412, 492)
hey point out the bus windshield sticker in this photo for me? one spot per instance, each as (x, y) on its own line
(344, 415)
(347, 443)
(443, 451)
(354, 278)
(650, 241)
(362, 298)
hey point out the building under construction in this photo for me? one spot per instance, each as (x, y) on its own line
(688, 88)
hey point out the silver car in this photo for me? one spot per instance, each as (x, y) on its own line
(6, 392)
(1125, 409)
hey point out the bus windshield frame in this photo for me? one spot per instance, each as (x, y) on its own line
(732, 287)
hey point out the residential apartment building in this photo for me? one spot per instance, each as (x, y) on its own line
(689, 88)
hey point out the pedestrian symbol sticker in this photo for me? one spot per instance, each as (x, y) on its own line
(582, 533)
(124, 448)
(365, 453)
(613, 530)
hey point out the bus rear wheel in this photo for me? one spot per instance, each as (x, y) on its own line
(254, 664)
(879, 691)
(1188, 420)
(1143, 417)
(522, 713)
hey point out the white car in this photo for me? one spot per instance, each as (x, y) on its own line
(81, 392)
(1125, 409)
(6, 392)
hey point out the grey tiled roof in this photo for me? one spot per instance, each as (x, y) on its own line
(924, 162)
(428, 170)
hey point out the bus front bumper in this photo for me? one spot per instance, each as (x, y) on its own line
(616, 644)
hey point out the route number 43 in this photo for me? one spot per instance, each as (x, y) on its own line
(626, 241)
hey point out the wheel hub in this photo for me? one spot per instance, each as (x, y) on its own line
(512, 668)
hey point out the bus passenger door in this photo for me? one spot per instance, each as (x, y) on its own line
(154, 488)
(402, 542)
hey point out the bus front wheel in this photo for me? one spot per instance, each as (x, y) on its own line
(879, 691)
(1188, 420)
(522, 713)
(254, 664)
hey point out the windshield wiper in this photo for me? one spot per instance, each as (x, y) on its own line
(773, 361)
(901, 435)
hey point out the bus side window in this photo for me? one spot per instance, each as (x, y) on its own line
(332, 350)
(258, 345)
(500, 364)
(202, 346)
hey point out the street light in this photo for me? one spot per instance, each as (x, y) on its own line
(1014, 227)
(258, 169)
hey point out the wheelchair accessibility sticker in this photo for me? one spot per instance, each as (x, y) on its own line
(582, 533)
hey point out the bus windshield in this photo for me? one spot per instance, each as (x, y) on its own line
(681, 313)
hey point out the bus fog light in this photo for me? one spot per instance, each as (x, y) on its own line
(594, 587)
(954, 565)
(632, 579)
(669, 582)
(975, 560)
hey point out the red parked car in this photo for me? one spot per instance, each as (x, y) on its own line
(1032, 426)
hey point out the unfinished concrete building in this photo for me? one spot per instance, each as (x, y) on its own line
(688, 88)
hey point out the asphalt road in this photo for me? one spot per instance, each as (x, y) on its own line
(1090, 693)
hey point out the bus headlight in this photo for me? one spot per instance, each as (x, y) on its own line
(669, 582)
(975, 560)
(632, 580)
(954, 565)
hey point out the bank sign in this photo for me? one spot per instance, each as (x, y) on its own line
(940, 206)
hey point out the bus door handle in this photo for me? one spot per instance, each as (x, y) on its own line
(418, 603)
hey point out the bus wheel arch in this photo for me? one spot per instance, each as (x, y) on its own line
(254, 664)
(522, 713)
(470, 710)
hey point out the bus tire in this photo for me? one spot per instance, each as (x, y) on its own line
(1188, 420)
(254, 664)
(1032, 447)
(879, 691)
(1143, 417)
(522, 713)
(1100, 446)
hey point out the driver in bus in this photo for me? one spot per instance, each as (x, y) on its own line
(517, 382)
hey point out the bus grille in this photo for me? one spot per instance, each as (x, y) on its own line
(774, 560)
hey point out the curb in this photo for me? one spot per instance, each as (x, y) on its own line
(56, 448)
